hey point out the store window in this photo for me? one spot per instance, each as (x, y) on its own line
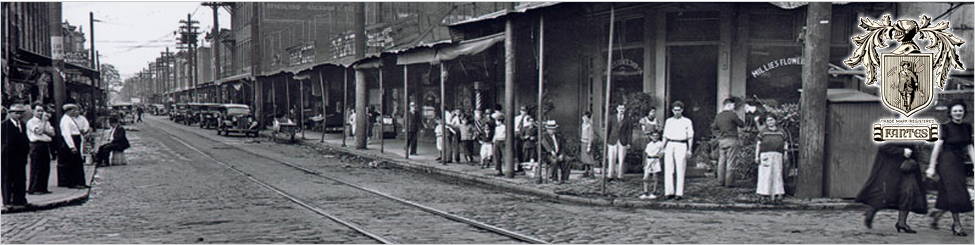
(774, 72)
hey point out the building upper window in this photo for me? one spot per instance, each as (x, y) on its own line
(693, 26)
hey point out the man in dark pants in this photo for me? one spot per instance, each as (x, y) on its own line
(726, 123)
(15, 149)
(412, 127)
(117, 141)
(499, 141)
(552, 145)
(41, 134)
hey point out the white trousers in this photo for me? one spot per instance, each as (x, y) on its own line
(616, 153)
(675, 159)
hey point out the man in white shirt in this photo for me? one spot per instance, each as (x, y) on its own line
(40, 133)
(519, 124)
(678, 140)
(71, 171)
(499, 141)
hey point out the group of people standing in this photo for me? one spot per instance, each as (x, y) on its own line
(897, 182)
(29, 138)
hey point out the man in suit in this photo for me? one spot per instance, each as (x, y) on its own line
(117, 141)
(16, 148)
(553, 149)
(412, 127)
(618, 141)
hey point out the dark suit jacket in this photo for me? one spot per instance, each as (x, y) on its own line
(621, 131)
(548, 146)
(413, 122)
(15, 142)
(119, 139)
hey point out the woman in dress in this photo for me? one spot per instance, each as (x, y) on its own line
(770, 152)
(947, 163)
(895, 165)
(586, 138)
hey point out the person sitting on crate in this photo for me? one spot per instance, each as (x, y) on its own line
(117, 143)
(552, 148)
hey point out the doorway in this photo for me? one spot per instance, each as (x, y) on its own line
(693, 75)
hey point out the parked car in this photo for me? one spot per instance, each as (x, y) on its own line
(179, 112)
(158, 109)
(236, 118)
(209, 114)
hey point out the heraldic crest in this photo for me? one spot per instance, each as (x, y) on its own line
(907, 76)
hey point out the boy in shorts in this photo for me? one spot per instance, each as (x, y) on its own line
(651, 166)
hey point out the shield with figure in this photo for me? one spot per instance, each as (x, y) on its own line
(907, 82)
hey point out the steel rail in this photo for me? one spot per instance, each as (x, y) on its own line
(285, 194)
(471, 222)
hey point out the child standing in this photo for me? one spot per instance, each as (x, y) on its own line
(466, 138)
(651, 166)
(438, 131)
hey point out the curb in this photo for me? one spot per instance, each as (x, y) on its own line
(75, 199)
(504, 185)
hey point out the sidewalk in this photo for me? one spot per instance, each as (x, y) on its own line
(59, 196)
(700, 193)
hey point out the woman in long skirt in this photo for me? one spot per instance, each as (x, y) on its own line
(71, 172)
(947, 164)
(770, 153)
(894, 183)
(586, 138)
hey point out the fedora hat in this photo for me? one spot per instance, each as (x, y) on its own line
(69, 107)
(498, 115)
(18, 108)
(551, 124)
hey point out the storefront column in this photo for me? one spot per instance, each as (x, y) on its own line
(345, 105)
(406, 110)
(382, 96)
(739, 54)
(443, 112)
(813, 100)
(724, 60)
(361, 117)
(660, 62)
(509, 96)
(541, 90)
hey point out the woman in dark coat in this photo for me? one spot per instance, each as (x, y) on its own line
(894, 183)
(947, 162)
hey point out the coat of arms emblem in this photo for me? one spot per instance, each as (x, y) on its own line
(906, 76)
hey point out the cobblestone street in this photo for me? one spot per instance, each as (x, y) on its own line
(179, 196)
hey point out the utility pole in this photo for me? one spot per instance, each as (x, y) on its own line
(255, 49)
(57, 57)
(361, 119)
(189, 32)
(510, 69)
(815, 57)
(216, 37)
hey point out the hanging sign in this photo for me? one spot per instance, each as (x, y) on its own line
(626, 67)
(776, 64)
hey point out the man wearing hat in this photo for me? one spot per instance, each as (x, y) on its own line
(520, 121)
(15, 151)
(71, 171)
(552, 145)
(412, 127)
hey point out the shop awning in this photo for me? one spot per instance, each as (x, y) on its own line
(435, 55)
(795, 5)
(237, 77)
(520, 8)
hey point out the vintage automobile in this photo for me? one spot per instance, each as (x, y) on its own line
(283, 127)
(209, 114)
(193, 112)
(236, 118)
(158, 109)
(125, 112)
(178, 113)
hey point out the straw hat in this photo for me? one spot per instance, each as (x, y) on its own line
(67, 107)
(551, 124)
(498, 115)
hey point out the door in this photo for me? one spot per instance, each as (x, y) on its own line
(693, 79)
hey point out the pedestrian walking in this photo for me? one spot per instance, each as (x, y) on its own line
(617, 142)
(466, 130)
(499, 141)
(71, 171)
(727, 123)
(651, 165)
(552, 146)
(413, 124)
(16, 147)
(894, 183)
(679, 140)
(139, 111)
(117, 142)
(770, 152)
(41, 134)
(947, 165)
(587, 137)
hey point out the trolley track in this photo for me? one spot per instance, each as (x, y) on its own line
(380, 216)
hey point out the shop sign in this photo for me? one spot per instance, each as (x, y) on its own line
(771, 65)
(626, 67)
